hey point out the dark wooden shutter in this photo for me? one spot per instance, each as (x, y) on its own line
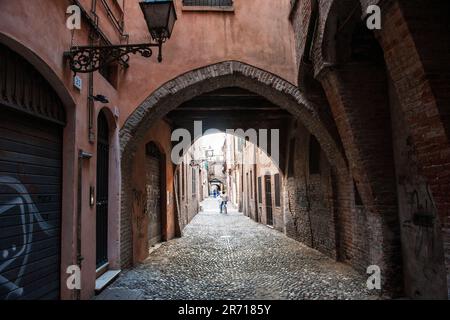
(277, 191)
(259, 190)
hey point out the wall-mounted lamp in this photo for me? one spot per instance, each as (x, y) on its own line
(160, 16)
(85, 155)
(100, 98)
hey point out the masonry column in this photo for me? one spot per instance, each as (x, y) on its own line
(358, 97)
(416, 41)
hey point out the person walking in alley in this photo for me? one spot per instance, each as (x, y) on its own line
(223, 204)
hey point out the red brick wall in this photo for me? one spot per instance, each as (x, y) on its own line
(415, 45)
(309, 209)
(415, 40)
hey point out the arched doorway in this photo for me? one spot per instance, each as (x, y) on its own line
(154, 168)
(31, 143)
(102, 190)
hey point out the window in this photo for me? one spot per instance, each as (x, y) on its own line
(185, 181)
(182, 181)
(194, 183)
(314, 156)
(260, 190)
(277, 191)
(251, 184)
(208, 3)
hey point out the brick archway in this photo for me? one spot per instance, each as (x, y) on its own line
(341, 75)
(196, 82)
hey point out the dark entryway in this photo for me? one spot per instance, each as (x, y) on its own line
(268, 190)
(102, 190)
(31, 134)
(154, 178)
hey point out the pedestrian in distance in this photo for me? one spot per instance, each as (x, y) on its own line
(223, 204)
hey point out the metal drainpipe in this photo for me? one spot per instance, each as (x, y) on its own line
(79, 258)
(91, 133)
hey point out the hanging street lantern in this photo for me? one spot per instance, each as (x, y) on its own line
(160, 16)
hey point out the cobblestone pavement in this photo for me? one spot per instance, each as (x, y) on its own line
(232, 257)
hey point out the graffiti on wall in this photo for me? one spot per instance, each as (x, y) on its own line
(19, 253)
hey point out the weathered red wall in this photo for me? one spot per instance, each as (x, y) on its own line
(37, 31)
(257, 32)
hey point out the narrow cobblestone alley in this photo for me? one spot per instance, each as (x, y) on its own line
(233, 257)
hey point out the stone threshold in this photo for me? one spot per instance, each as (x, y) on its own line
(106, 279)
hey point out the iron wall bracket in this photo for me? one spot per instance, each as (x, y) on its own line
(87, 59)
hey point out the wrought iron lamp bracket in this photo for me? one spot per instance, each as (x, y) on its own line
(87, 59)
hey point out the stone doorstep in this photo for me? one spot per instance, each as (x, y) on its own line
(106, 279)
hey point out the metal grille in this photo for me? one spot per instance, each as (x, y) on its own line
(23, 88)
(209, 3)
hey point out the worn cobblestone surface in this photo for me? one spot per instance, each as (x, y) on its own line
(233, 257)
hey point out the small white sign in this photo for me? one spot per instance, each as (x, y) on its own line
(78, 83)
(116, 112)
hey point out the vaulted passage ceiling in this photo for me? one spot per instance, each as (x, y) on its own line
(230, 108)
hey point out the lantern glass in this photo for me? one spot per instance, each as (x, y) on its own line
(160, 16)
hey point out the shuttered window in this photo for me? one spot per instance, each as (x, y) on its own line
(251, 184)
(183, 179)
(260, 190)
(194, 183)
(277, 191)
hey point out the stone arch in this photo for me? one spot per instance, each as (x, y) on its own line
(225, 74)
(206, 79)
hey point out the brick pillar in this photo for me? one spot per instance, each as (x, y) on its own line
(358, 97)
(416, 38)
